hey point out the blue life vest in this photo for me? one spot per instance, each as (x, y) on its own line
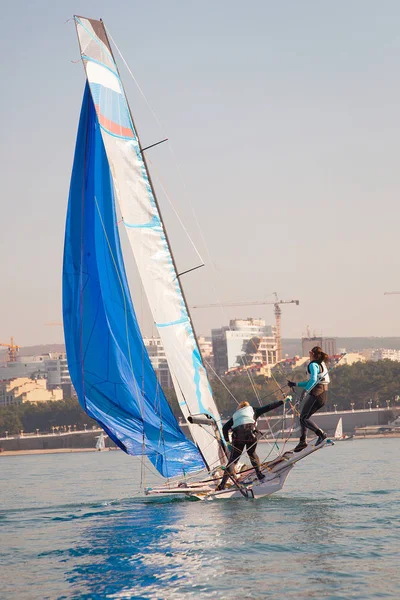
(243, 416)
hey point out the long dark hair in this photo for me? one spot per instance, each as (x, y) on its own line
(319, 355)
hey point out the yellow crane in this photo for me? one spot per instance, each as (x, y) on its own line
(12, 350)
(278, 315)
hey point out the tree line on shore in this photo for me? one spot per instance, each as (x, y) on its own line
(359, 386)
(43, 416)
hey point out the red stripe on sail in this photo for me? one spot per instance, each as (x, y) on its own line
(113, 127)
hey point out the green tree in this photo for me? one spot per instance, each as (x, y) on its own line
(360, 383)
(10, 421)
(43, 416)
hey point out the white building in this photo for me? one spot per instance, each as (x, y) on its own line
(57, 369)
(25, 366)
(155, 350)
(52, 366)
(385, 353)
(206, 350)
(229, 343)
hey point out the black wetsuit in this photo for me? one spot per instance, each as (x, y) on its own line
(317, 399)
(244, 436)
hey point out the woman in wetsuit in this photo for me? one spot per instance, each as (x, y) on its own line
(316, 387)
(243, 425)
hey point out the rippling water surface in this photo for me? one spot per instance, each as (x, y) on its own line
(71, 526)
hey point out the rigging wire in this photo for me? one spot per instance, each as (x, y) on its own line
(168, 197)
(142, 470)
(161, 437)
(229, 391)
(164, 133)
(164, 189)
(293, 406)
(133, 77)
(221, 381)
(140, 391)
(248, 372)
(262, 438)
(119, 281)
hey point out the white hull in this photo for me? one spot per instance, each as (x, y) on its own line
(257, 490)
(248, 486)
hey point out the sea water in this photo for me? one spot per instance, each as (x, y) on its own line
(74, 526)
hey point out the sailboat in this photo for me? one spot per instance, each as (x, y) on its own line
(108, 362)
(339, 436)
(101, 442)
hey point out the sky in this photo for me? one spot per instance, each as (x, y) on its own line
(282, 160)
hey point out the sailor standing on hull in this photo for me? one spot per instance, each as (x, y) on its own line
(243, 425)
(316, 386)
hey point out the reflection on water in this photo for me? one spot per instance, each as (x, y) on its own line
(134, 548)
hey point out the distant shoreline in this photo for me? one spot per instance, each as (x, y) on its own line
(263, 441)
(52, 451)
(368, 436)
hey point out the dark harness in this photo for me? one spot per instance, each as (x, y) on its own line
(245, 429)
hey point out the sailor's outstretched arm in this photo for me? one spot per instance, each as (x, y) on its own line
(264, 409)
(310, 383)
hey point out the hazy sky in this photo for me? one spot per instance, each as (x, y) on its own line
(284, 121)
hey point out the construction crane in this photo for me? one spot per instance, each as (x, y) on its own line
(389, 293)
(278, 315)
(12, 350)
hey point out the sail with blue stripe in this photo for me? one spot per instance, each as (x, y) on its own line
(134, 192)
(108, 362)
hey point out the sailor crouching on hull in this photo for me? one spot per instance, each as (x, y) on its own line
(317, 388)
(243, 425)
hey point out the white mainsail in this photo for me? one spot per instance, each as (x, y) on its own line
(147, 237)
(339, 429)
(101, 442)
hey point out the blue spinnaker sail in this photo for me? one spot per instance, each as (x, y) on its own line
(108, 362)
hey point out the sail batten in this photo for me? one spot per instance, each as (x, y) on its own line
(146, 235)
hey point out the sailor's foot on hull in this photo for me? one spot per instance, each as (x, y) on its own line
(321, 438)
(300, 446)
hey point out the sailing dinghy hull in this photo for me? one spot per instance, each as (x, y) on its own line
(248, 486)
